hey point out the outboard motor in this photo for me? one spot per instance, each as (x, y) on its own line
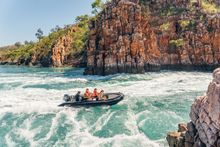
(66, 98)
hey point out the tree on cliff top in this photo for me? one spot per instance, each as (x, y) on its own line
(82, 20)
(80, 36)
(18, 44)
(97, 5)
(39, 34)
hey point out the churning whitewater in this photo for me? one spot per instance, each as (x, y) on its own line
(154, 103)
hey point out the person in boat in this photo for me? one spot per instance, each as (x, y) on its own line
(102, 96)
(77, 96)
(95, 94)
(87, 94)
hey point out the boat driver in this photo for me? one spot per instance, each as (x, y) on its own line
(77, 96)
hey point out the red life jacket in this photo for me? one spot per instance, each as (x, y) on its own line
(95, 93)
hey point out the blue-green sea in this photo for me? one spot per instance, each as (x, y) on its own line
(154, 104)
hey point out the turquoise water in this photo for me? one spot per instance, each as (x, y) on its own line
(154, 104)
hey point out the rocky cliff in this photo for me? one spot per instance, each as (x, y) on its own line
(55, 56)
(62, 47)
(204, 128)
(135, 36)
(121, 40)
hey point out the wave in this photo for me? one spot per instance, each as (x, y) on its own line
(73, 136)
(28, 105)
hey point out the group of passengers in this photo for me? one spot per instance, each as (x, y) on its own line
(95, 95)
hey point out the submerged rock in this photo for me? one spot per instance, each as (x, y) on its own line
(204, 128)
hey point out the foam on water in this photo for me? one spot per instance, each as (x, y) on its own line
(154, 103)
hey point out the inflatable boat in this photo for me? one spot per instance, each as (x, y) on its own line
(112, 99)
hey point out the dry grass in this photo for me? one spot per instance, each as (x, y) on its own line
(210, 7)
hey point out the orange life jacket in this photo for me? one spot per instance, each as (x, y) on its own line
(87, 93)
(95, 93)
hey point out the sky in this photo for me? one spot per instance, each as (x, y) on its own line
(20, 19)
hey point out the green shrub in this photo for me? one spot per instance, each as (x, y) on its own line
(210, 29)
(177, 43)
(184, 23)
(165, 26)
(210, 7)
(171, 10)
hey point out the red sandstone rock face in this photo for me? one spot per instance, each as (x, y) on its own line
(61, 49)
(205, 113)
(204, 128)
(128, 37)
(61, 53)
(199, 47)
(121, 40)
